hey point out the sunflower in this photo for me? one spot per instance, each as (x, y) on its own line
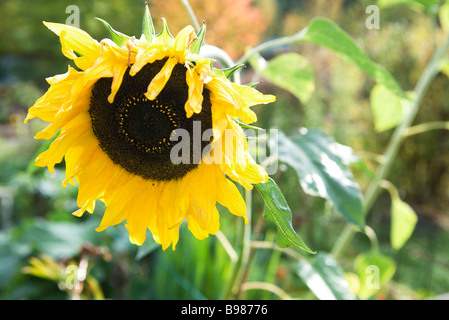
(125, 113)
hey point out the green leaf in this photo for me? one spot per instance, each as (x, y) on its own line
(228, 71)
(117, 37)
(293, 73)
(147, 25)
(59, 239)
(403, 222)
(324, 277)
(196, 45)
(246, 126)
(387, 108)
(278, 212)
(374, 270)
(322, 168)
(165, 36)
(324, 32)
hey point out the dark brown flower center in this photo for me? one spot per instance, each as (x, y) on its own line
(136, 132)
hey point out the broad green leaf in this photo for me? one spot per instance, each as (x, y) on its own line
(293, 73)
(324, 277)
(322, 168)
(324, 32)
(278, 212)
(403, 222)
(374, 270)
(387, 108)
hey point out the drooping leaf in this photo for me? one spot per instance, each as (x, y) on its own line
(324, 32)
(321, 165)
(278, 212)
(374, 270)
(293, 73)
(324, 277)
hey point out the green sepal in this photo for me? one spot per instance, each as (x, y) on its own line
(229, 71)
(245, 126)
(196, 45)
(253, 84)
(117, 37)
(147, 25)
(165, 36)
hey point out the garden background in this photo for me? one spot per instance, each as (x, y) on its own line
(35, 210)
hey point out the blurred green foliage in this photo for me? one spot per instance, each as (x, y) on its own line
(35, 209)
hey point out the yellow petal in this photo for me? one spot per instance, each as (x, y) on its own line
(118, 203)
(147, 53)
(196, 226)
(77, 158)
(251, 96)
(203, 197)
(223, 94)
(195, 80)
(76, 132)
(70, 109)
(183, 41)
(118, 73)
(76, 41)
(229, 196)
(158, 83)
(141, 212)
(47, 106)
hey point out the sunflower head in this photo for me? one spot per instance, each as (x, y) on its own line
(149, 127)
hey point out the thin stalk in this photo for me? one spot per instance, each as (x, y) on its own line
(396, 140)
(272, 44)
(227, 246)
(267, 287)
(192, 15)
(272, 246)
(424, 127)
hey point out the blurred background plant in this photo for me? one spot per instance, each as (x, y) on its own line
(40, 240)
